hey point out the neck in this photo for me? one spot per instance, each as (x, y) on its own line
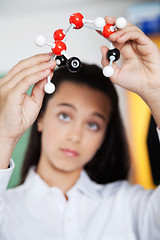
(64, 180)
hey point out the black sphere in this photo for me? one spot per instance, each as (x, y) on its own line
(73, 64)
(61, 60)
(113, 52)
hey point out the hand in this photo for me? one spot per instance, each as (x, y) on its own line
(18, 110)
(140, 72)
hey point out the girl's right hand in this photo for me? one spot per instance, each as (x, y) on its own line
(18, 110)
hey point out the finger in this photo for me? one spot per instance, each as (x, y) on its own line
(141, 43)
(23, 64)
(28, 71)
(22, 86)
(136, 36)
(36, 99)
(38, 91)
(104, 60)
(114, 77)
(110, 20)
(113, 37)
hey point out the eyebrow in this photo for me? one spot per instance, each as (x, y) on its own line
(74, 108)
(68, 105)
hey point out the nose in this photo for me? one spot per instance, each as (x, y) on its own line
(74, 134)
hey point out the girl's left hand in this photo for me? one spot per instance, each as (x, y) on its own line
(140, 71)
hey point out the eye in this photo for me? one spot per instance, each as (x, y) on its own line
(64, 117)
(93, 126)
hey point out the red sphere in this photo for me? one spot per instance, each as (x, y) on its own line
(58, 34)
(107, 30)
(59, 47)
(77, 20)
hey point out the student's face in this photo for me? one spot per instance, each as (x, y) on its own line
(73, 126)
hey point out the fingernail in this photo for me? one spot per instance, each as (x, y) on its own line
(49, 54)
(47, 71)
(102, 51)
(52, 62)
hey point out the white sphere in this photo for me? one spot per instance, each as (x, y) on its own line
(121, 22)
(108, 71)
(99, 22)
(49, 88)
(58, 62)
(40, 41)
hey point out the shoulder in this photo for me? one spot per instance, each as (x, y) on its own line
(123, 190)
(15, 194)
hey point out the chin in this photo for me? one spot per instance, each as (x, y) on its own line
(66, 168)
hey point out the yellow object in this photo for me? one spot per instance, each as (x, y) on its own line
(139, 118)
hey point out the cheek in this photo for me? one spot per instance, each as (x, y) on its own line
(94, 143)
(51, 133)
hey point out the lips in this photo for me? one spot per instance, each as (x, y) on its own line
(70, 153)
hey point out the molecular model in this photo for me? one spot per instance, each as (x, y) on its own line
(73, 64)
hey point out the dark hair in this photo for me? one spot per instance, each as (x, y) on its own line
(112, 161)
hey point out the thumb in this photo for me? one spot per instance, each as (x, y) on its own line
(104, 60)
(38, 93)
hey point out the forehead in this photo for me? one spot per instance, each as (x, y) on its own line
(81, 95)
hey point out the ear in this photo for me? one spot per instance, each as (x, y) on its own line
(40, 124)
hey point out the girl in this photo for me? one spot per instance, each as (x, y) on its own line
(75, 171)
